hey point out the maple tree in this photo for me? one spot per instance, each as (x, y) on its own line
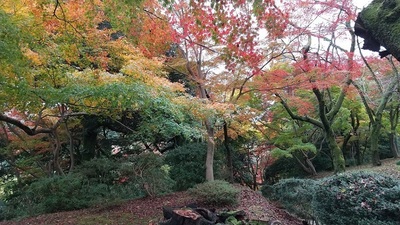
(74, 76)
(291, 143)
(228, 37)
(326, 70)
(317, 67)
(221, 34)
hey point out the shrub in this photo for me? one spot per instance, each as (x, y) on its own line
(99, 181)
(148, 172)
(322, 162)
(350, 198)
(61, 193)
(218, 193)
(47, 195)
(2, 210)
(358, 198)
(295, 195)
(283, 168)
(99, 170)
(398, 163)
(187, 165)
(384, 146)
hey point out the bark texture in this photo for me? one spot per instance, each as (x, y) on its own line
(379, 25)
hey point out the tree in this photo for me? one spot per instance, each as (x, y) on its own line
(385, 87)
(318, 67)
(75, 81)
(377, 24)
(394, 120)
(222, 32)
(293, 146)
(352, 124)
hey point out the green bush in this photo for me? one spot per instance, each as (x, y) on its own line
(187, 165)
(3, 209)
(398, 163)
(323, 162)
(100, 170)
(62, 193)
(349, 198)
(358, 198)
(47, 195)
(385, 151)
(218, 193)
(283, 168)
(295, 195)
(148, 172)
(58, 194)
(99, 181)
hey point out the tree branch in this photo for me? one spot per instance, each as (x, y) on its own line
(37, 130)
(297, 117)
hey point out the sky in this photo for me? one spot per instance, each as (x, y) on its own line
(361, 3)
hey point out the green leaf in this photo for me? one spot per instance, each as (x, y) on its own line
(279, 153)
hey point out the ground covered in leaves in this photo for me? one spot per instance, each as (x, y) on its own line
(388, 167)
(148, 211)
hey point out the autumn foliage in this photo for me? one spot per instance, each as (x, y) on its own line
(252, 82)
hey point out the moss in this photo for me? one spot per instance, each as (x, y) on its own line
(370, 14)
(382, 18)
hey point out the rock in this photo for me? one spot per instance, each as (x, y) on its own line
(188, 215)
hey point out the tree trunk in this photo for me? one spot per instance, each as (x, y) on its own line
(393, 144)
(89, 145)
(356, 145)
(311, 166)
(71, 149)
(228, 153)
(90, 125)
(394, 119)
(210, 151)
(376, 119)
(374, 140)
(336, 152)
(308, 167)
(56, 154)
(378, 25)
(201, 77)
(377, 124)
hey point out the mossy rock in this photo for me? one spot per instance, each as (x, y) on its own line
(382, 19)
